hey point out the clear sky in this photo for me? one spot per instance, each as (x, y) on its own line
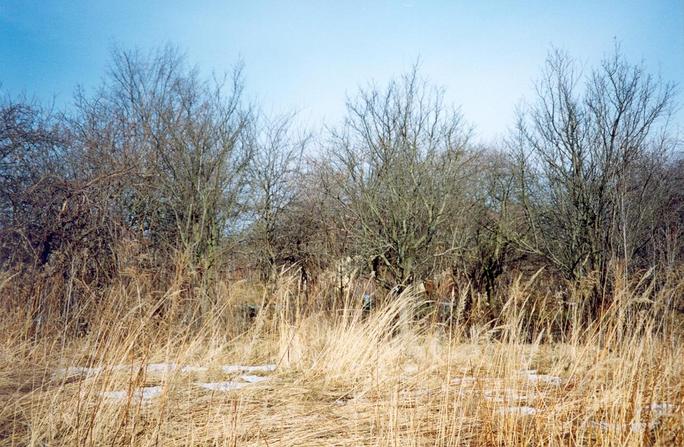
(307, 55)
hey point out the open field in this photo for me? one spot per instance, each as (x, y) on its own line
(186, 262)
(341, 377)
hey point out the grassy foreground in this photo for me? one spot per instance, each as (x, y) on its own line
(342, 377)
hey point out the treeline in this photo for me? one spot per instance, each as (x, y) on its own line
(165, 172)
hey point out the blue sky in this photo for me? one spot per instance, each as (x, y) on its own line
(307, 55)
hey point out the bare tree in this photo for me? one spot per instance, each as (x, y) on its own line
(666, 246)
(183, 139)
(491, 227)
(273, 176)
(394, 169)
(30, 147)
(587, 158)
(55, 225)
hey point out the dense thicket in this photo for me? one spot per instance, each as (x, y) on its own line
(161, 170)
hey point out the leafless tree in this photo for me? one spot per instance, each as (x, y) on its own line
(183, 140)
(273, 175)
(493, 219)
(55, 226)
(30, 144)
(587, 157)
(395, 168)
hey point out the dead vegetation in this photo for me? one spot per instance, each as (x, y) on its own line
(165, 243)
(346, 377)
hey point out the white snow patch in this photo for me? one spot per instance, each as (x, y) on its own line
(161, 368)
(532, 376)
(116, 395)
(507, 394)
(233, 369)
(254, 379)
(222, 386)
(156, 368)
(662, 409)
(634, 427)
(411, 369)
(150, 392)
(194, 369)
(521, 411)
(638, 427)
(73, 371)
(466, 380)
(145, 393)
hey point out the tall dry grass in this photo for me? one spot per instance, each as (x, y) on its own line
(401, 374)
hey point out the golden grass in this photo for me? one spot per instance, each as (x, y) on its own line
(343, 378)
